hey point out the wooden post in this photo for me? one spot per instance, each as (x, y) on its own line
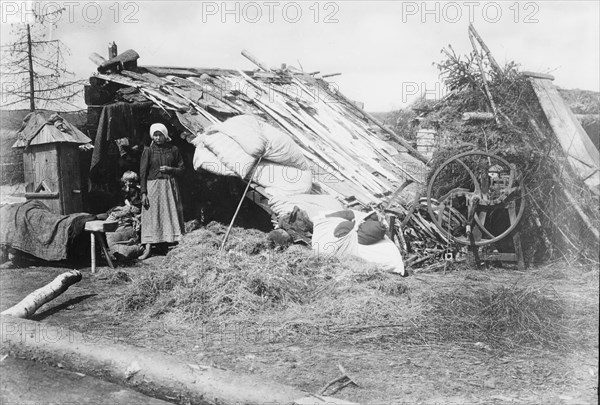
(512, 216)
(487, 51)
(485, 83)
(254, 170)
(100, 236)
(31, 72)
(93, 250)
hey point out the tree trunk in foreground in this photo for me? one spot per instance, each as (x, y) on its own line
(27, 307)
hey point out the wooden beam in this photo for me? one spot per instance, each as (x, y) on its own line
(483, 79)
(97, 59)
(477, 116)
(577, 145)
(537, 75)
(254, 60)
(487, 51)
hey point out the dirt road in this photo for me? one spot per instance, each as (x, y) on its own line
(29, 382)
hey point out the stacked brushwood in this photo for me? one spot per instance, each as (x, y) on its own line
(561, 217)
(422, 244)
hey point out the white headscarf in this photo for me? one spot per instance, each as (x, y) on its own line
(160, 128)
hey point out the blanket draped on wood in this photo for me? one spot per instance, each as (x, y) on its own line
(31, 228)
(118, 120)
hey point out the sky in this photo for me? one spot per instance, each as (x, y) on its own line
(385, 50)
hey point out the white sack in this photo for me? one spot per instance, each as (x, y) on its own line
(324, 243)
(282, 180)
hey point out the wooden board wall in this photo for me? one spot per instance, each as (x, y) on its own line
(582, 154)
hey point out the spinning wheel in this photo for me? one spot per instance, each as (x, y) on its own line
(476, 198)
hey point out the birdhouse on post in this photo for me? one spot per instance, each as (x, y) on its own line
(51, 162)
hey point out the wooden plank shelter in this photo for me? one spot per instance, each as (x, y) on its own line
(581, 151)
(51, 162)
(352, 155)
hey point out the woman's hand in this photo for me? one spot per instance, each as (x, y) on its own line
(145, 201)
(165, 169)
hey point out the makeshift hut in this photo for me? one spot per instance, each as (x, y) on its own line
(340, 150)
(51, 162)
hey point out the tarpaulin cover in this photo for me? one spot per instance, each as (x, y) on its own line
(31, 228)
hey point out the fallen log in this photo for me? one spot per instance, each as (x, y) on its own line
(27, 307)
(146, 370)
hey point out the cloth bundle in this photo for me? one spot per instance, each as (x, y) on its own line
(232, 148)
(124, 242)
(325, 242)
(369, 231)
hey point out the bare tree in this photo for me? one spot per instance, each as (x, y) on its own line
(33, 66)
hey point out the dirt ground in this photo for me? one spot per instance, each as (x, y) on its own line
(387, 369)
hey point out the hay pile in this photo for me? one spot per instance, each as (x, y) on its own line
(301, 296)
(251, 278)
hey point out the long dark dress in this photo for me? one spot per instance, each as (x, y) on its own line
(163, 220)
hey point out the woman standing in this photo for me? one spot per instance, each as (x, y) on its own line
(162, 214)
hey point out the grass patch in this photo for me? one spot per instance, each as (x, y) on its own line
(500, 315)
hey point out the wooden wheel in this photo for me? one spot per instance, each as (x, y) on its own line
(469, 189)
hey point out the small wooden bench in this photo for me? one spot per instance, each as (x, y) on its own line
(97, 230)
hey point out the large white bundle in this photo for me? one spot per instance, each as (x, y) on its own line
(232, 147)
(384, 253)
(229, 152)
(282, 180)
(205, 159)
(246, 130)
(257, 138)
(324, 243)
(282, 149)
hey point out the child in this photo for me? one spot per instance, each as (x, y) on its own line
(131, 191)
(124, 243)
